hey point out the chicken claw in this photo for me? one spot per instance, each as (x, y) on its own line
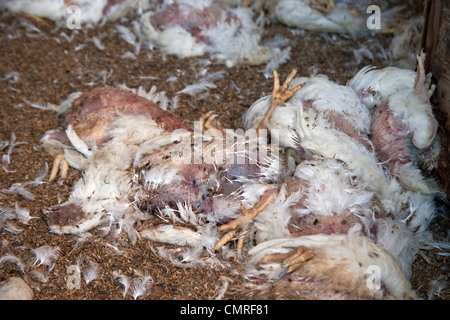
(323, 6)
(244, 220)
(59, 165)
(291, 260)
(206, 122)
(280, 94)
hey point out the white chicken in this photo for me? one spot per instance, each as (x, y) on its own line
(91, 12)
(316, 123)
(129, 148)
(194, 28)
(403, 128)
(322, 229)
(344, 266)
(183, 28)
(339, 16)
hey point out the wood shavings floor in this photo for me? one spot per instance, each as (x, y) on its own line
(48, 68)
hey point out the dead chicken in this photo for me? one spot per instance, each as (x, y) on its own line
(228, 34)
(90, 12)
(15, 288)
(85, 127)
(194, 28)
(138, 160)
(336, 16)
(403, 126)
(338, 188)
(321, 226)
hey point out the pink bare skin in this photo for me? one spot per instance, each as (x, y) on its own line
(316, 223)
(393, 143)
(91, 115)
(93, 111)
(342, 123)
(389, 137)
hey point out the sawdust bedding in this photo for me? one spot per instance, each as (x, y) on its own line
(41, 64)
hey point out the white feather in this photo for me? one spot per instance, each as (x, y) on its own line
(46, 255)
(9, 258)
(124, 280)
(91, 273)
(141, 285)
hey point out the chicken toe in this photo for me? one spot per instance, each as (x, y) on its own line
(60, 166)
(280, 94)
(291, 260)
(244, 221)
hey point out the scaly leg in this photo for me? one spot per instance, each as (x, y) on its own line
(291, 260)
(420, 84)
(59, 165)
(244, 220)
(279, 94)
(207, 120)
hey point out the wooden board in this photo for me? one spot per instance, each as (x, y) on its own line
(435, 40)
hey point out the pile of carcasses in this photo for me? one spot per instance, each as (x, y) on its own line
(323, 193)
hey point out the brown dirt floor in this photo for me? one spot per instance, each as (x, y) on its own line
(50, 69)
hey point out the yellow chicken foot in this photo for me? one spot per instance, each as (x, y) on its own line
(207, 120)
(420, 83)
(324, 6)
(59, 165)
(244, 220)
(279, 94)
(291, 260)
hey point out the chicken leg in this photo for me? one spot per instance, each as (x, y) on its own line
(244, 220)
(279, 94)
(323, 6)
(207, 120)
(291, 260)
(59, 165)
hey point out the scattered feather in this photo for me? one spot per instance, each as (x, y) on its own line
(196, 88)
(204, 84)
(278, 59)
(39, 177)
(226, 282)
(6, 157)
(141, 285)
(127, 35)
(91, 273)
(23, 214)
(46, 255)
(9, 258)
(10, 227)
(128, 55)
(18, 188)
(124, 280)
(437, 285)
(98, 44)
(12, 77)
(40, 276)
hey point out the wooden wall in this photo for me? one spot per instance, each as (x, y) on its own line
(436, 43)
